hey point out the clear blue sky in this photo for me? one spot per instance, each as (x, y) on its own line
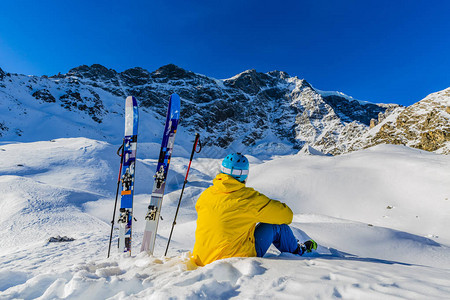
(379, 51)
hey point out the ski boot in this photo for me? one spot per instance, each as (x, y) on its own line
(307, 246)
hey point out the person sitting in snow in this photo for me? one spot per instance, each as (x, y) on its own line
(228, 213)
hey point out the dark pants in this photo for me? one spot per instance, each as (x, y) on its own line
(280, 236)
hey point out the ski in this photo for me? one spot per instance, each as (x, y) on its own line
(127, 176)
(154, 209)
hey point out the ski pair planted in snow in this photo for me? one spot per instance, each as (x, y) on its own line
(127, 154)
(154, 209)
(127, 174)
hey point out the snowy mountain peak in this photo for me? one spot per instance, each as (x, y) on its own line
(279, 74)
(253, 82)
(249, 81)
(251, 112)
(172, 72)
(335, 93)
(94, 72)
(137, 72)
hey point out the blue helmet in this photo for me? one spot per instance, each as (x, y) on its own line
(235, 165)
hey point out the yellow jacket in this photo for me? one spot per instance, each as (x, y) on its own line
(228, 212)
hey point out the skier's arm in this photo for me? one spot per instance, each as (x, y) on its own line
(273, 211)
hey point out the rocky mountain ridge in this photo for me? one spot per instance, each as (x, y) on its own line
(424, 125)
(258, 113)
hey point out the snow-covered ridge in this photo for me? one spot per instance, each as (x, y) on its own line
(339, 94)
(242, 112)
(251, 112)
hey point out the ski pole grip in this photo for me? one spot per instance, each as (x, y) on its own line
(120, 150)
(199, 145)
(197, 139)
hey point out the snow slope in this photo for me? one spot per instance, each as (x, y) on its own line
(379, 215)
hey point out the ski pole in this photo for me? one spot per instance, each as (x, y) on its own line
(194, 149)
(117, 193)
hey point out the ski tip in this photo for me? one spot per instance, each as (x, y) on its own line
(175, 105)
(131, 101)
(175, 98)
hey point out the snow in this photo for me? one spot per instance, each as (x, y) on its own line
(340, 94)
(380, 217)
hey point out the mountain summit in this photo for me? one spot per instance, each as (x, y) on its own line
(254, 112)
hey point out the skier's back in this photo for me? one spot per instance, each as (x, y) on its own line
(228, 212)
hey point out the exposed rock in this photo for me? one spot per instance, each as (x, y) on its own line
(60, 239)
(172, 72)
(353, 110)
(2, 74)
(57, 76)
(44, 95)
(381, 117)
(18, 132)
(432, 140)
(279, 74)
(95, 72)
(3, 128)
(93, 106)
(249, 81)
(135, 76)
(424, 125)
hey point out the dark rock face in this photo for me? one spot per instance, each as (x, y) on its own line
(223, 110)
(172, 72)
(2, 74)
(93, 106)
(249, 82)
(95, 72)
(60, 239)
(135, 76)
(245, 108)
(44, 95)
(353, 110)
(3, 128)
(279, 75)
